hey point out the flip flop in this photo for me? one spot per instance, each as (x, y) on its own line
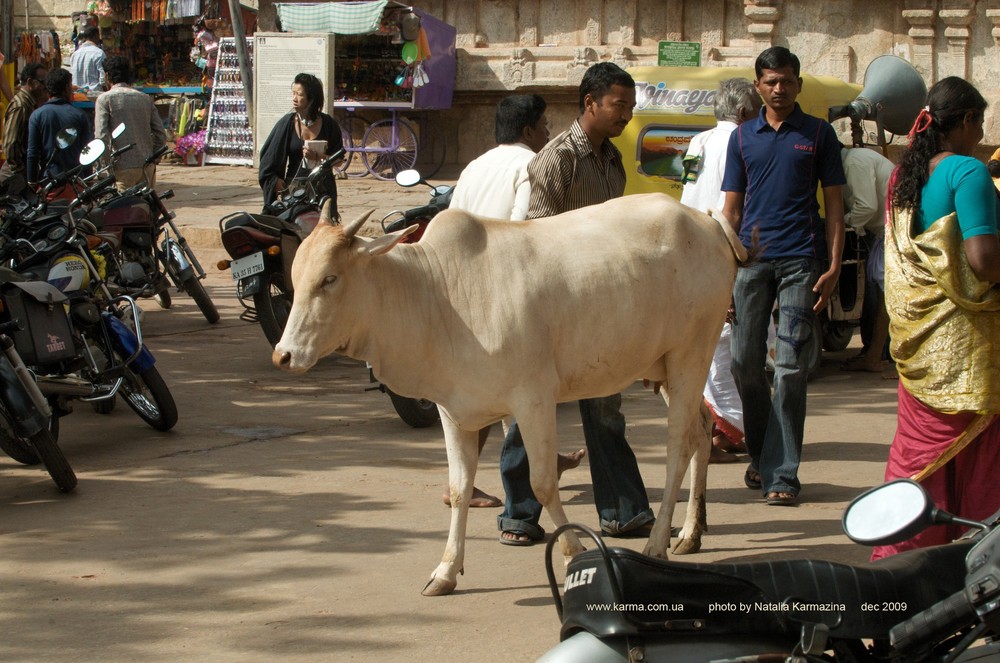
(525, 541)
(752, 479)
(781, 499)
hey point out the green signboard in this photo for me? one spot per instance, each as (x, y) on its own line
(679, 54)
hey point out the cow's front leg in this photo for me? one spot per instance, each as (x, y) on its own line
(463, 456)
(538, 428)
(696, 521)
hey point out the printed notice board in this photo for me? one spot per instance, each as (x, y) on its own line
(278, 57)
(679, 54)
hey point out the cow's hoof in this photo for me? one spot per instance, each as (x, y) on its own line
(687, 546)
(649, 551)
(439, 587)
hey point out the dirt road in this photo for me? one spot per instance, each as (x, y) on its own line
(296, 518)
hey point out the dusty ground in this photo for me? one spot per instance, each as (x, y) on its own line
(296, 518)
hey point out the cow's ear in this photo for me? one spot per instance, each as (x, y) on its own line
(383, 244)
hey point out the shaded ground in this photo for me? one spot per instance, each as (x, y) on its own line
(296, 518)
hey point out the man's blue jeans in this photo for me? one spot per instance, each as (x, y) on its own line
(619, 493)
(774, 425)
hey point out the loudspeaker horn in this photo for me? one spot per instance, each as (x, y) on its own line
(893, 95)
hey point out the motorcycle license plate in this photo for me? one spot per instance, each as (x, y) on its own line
(248, 266)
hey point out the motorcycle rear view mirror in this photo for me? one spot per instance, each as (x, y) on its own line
(408, 178)
(118, 131)
(66, 137)
(91, 152)
(890, 513)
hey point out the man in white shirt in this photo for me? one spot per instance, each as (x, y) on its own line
(495, 185)
(868, 174)
(704, 165)
(87, 63)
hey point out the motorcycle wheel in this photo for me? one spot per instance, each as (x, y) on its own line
(417, 412)
(150, 398)
(272, 302)
(192, 285)
(107, 406)
(163, 299)
(15, 446)
(837, 336)
(39, 447)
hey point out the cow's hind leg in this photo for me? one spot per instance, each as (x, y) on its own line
(687, 369)
(538, 428)
(696, 521)
(463, 456)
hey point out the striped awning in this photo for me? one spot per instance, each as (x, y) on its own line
(342, 18)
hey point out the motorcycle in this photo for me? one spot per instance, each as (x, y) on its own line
(25, 414)
(106, 355)
(932, 604)
(417, 412)
(262, 247)
(145, 249)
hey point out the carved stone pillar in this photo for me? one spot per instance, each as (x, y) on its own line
(993, 13)
(920, 15)
(762, 15)
(956, 15)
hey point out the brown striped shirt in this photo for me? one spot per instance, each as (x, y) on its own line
(567, 174)
(15, 135)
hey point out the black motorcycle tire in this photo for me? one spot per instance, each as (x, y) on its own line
(14, 446)
(150, 398)
(416, 412)
(106, 406)
(192, 285)
(272, 302)
(54, 460)
(163, 299)
(837, 336)
(40, 447)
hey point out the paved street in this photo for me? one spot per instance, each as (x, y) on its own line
(296, 518)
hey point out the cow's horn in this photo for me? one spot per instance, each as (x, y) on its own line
(352, 228)
(326, 212)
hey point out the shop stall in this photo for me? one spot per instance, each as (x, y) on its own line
(385, 66)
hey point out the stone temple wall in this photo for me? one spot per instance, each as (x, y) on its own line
(544, 46)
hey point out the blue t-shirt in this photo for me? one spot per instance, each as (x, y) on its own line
(778, 171)
(960, 184)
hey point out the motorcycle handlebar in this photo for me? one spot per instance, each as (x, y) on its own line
(157, 154)
(117, 153)
(938, 621)
(92, 192)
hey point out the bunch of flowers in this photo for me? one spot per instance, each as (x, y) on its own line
(192, 143)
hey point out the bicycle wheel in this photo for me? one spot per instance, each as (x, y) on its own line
(352, 131)
(384, 156)
(431, 153)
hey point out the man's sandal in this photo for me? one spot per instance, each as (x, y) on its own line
(752, 479)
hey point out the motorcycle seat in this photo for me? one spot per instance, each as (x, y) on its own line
(264, 222)
(855, 601)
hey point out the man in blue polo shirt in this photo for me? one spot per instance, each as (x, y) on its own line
(773, 166)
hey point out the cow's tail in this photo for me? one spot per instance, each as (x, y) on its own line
(743, 256)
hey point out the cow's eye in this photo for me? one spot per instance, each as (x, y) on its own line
(328, 281)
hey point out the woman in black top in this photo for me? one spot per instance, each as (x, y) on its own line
(284, 149)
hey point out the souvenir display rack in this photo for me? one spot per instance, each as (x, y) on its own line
(229, 136)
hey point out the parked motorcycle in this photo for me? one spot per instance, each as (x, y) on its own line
(106, 356)
(262, 247)
(25, 414)
(933, 604)
(417, 412)
(146, 252)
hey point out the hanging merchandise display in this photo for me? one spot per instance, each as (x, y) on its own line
(229, 139)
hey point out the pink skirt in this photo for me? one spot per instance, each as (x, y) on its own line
(967, 486)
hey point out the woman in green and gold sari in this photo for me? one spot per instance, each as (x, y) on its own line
(942, 266)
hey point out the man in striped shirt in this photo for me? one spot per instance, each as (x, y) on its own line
(581, 167)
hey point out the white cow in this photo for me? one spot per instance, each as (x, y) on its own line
(491, 318)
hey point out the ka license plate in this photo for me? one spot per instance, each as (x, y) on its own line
(248, 266)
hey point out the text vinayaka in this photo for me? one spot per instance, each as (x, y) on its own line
(658, 97)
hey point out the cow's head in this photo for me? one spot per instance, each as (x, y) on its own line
(334, 291)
